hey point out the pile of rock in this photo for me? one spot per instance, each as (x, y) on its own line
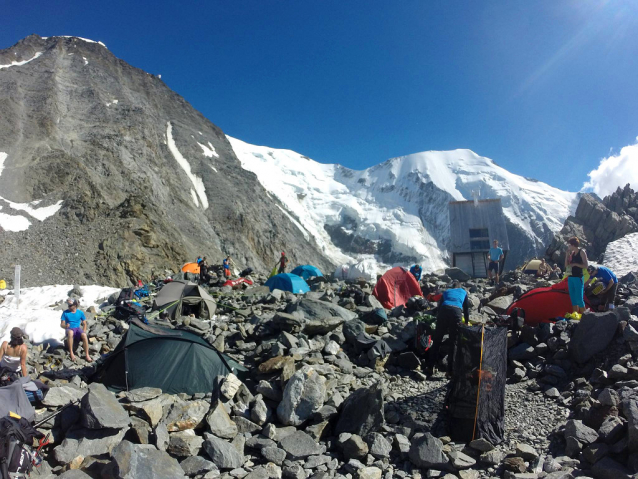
(334, 392)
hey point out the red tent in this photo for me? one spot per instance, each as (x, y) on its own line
(238, 281)
(395, 287)
(541, 305)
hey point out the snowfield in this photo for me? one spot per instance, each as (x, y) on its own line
(36, 317)
(621, 256)
(402, 202)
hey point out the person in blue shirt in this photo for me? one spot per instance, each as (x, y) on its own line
(416, 271)
(496, 255)
(199, 259)
(608, 279)
(454, 307)
(74, 321)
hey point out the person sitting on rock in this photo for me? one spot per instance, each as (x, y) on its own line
(416, 271)
(13, 355)
(454, 307)
(74, 321)
(610, 282)
(496, 255)
(543, 269)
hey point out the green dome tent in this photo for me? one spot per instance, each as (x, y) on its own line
(173, 360)
(181, 298)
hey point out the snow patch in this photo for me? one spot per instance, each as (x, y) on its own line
(3, 156)
(13, 223)
(35, 316)
(209, 151)
(213, 168)
(112, 102)
(621, 256)
(80, 38)
(24, 62)
(194, 195)
(38, 213)
(198, 184)
(86, 62)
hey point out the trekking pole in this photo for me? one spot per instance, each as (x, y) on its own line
(56, 413)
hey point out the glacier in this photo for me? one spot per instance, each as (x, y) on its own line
(396, 213)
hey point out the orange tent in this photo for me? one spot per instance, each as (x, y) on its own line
(191, 268)
(395, 287)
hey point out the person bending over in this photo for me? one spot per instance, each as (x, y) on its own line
(74, 321)
(454, 306)
(610, 282)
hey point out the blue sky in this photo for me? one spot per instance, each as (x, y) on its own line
(545, 88)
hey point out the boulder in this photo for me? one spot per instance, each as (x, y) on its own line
(426, 452)
(63, 395)
(220, 423)
(153, 410)
(197, 465)
(577, 430)
(135, 461)
(300, 445)
(184, 443)
(593, 334)
(457, 274)
(362, 411)
(74, 474)
(314, 327)
(369, 473)
(142, 394)
(87, 442)
(101, 410)
(380, 447)
(499, 305)
(630, 409)
(352, 446)
(222, 453)
(316, 309)
(304, 395)
(186, 415)
(607, 468)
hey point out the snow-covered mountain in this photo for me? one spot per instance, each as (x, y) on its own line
(397, 212)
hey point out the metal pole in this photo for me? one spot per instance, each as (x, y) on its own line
(16, 288)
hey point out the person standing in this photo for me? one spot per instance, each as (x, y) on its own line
(13, 354)
(204, 277)
(576, 258)
(608, 279)
(416, 271)
(226, 265)
(454, 307)
(283, 263)
(496, 255)
(74, 321)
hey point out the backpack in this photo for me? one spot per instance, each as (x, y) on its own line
(7, 376)
(16, 456)
(125, 295)
(425, 326)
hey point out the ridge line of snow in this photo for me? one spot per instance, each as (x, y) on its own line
(24, 62)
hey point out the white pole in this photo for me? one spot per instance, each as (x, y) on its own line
(16, 288)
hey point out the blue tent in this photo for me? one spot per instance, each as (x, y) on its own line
(306, 271)
(288, 282)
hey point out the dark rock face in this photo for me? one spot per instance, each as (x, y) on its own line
(597, 223)
(101, 136)
(593, 334)
(362, 412)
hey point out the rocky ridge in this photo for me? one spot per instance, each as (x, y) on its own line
(597, 223)
(108, 176)
(334, 394)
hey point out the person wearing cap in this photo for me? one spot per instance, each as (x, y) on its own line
(608, 279)
(283, 262)
(13, 354)
(74, 321)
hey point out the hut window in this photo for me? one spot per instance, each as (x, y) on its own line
(480, 233)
